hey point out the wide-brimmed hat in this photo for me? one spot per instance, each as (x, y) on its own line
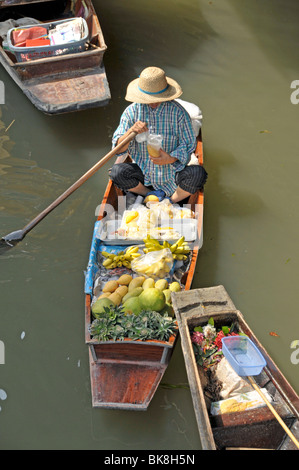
(152, 86)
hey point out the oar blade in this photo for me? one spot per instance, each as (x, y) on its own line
(13, 237)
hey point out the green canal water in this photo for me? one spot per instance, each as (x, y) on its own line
(237, 61)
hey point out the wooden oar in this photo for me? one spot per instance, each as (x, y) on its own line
(14, 237)
(244, 356)
(271, 408)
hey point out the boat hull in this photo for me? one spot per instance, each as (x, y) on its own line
(125, 374)
(251, 429)
(65, 83)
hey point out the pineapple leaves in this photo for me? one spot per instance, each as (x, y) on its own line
(115, 325)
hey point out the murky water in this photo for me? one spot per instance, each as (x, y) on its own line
(236, 60)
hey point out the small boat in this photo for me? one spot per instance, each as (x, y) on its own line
(125, 374)
(245, 428)
(71, 81)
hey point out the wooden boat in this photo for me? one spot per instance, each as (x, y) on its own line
(250, 429)
(125, 374)
(60, 83)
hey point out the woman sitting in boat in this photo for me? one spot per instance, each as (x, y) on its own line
(154, 107)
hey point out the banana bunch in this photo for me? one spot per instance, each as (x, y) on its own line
(151, 244)
(123, 258)
(179, 249)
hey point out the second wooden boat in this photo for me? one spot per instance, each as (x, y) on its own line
(245, 428)
(64, 83)
(125, 374)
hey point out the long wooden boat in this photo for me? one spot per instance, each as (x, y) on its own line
(59, 83)
(248, 429)
(125, 374)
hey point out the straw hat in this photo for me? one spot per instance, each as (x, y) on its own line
(153, 86)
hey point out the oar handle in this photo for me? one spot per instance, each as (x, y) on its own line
(290, 434)
(78, 183)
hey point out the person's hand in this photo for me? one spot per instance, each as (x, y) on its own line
(139, 127)
(163, 159)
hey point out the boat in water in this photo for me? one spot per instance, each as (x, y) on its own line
(125, 373)
(227, 419)
(66, 77)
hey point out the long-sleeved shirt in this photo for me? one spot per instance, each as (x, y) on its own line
(173, 122)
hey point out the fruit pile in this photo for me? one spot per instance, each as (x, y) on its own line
(135, 295)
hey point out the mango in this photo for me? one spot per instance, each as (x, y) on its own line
(149, 282)
(133, 293)
(161, 284)
(122, 291)
(151, 198)
(116, 298)
(136, 282)
(130, 216)
(167, 293)
(110, 286)
(104, 295)
(175, 286)
(125, 280)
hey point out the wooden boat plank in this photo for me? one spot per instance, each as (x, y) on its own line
(61, 94)
(256, 428)
(136, 384)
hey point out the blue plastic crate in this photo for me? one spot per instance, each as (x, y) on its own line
(24, 54)
(242, 354)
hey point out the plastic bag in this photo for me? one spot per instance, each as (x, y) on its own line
(141, 137)
(232, 383)
(241, 402)
(155, 264)
(154, 143)
(194, 113)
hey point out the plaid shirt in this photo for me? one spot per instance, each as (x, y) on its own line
(173, 122)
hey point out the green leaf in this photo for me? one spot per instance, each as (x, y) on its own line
(225, 330)
(198, 328)
(211, 321)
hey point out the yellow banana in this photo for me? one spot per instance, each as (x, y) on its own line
(180, 241)
(180, 257)
(173, 247)
(107, 263)
(108, 255)
(181, 251)
(132, 249)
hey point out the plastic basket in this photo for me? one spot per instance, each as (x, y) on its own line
(24, 54)
(243, 355)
